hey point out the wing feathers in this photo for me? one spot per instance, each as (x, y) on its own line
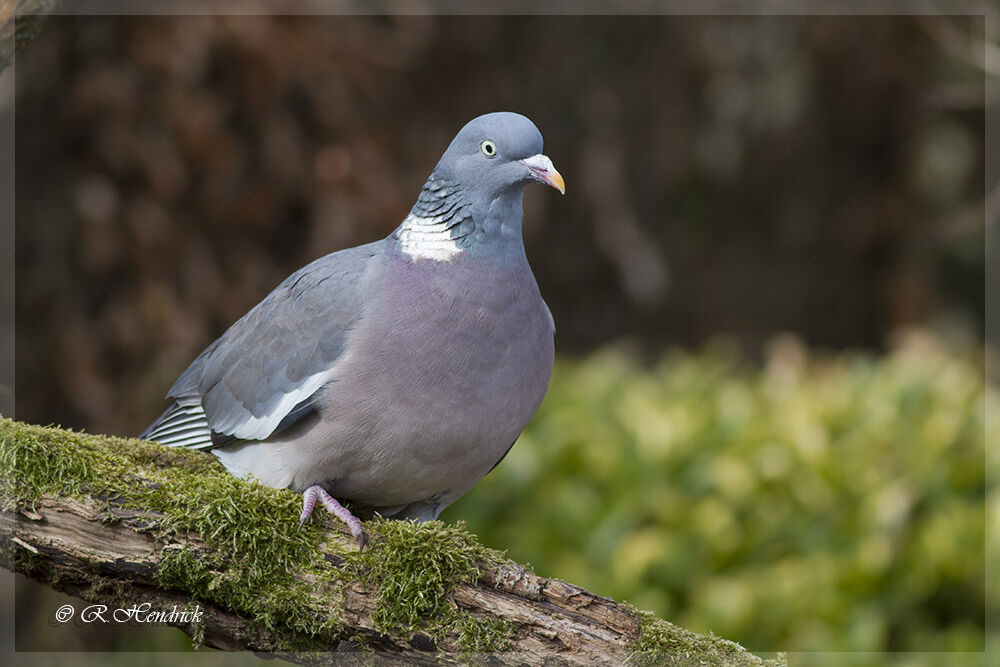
(246, 425)
(261, 376)
(184, 424)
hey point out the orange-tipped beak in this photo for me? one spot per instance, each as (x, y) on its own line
(542, 171)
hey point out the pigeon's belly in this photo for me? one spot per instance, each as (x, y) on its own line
(434, 402)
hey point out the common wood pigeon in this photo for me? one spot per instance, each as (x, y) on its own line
(392, 375)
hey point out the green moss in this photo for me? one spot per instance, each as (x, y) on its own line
(252, 548)
(413, 567)
(661, 642)
(484, 635)
(37, 461)
(181, 567)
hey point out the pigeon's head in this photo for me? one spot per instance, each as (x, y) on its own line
(497, 153)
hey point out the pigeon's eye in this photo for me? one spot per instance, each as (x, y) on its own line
(488, 148)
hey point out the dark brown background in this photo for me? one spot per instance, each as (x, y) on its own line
(724, 174)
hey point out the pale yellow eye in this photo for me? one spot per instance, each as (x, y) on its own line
(488, 148)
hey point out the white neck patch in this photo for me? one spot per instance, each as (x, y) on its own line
(427, 238)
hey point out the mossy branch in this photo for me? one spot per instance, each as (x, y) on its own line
(122, 521)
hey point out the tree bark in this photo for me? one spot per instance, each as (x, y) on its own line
(95, 548)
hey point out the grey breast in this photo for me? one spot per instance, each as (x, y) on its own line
(443, 373)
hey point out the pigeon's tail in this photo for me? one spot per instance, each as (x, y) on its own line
(183, 425)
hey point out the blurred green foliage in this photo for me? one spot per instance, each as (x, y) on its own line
(812, 503)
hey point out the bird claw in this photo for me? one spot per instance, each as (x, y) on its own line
(314, 493)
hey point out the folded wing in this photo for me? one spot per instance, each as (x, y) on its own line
(264, 373)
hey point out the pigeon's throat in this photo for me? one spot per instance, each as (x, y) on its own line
(439, 225)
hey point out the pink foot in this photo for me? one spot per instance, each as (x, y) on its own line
(314, 493)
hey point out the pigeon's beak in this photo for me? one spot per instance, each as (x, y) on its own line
(542, 171)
